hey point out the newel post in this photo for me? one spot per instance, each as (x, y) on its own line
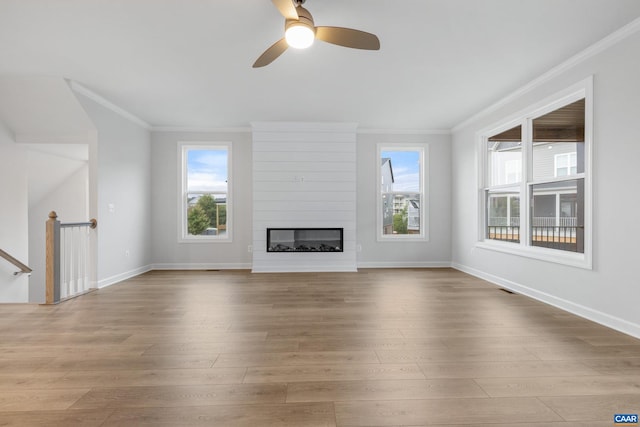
(53, 259)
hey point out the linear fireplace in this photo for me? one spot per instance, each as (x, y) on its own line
(305, 240)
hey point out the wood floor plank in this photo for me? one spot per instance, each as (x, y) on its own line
(372, 371)
(560, 386)
(45, 418)
(26, 400)
(586, 351)
(279, 345)
(190, 395)
(593, 408)
(31, 380)
(615, 366)
(525, 368)
(469, 332)
(129, 378)
(344, 391)
(511, 341)
(87, 350)
(287, 415)
(460, 355)
(353, 344)
(525, 424)
(140, 337)
(444, 411)
(610, 340)
(303, 332)
(295, 358)
(9, 364)
(137, 362)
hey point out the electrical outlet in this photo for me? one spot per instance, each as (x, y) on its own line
(358, 247)
(126, 253)
(250, 248)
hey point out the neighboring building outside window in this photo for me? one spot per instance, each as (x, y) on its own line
(566, 164)
(401, 199)
(205, 197)
(537, 165)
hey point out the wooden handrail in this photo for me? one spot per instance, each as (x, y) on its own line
(23, 268)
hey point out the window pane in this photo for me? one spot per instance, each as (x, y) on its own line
(558, 142)
(401, 190)
(207, 170)
(400, 171)
(503, 216)
(504, 157)
(206, 214)
(401, 213)
(557, 215)
(206, 197)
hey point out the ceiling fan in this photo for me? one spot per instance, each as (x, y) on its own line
(300, 33)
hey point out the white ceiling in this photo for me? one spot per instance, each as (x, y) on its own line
(43, 109)
(187, 63)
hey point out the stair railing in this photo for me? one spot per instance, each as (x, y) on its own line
(23, 268)
(68, 259)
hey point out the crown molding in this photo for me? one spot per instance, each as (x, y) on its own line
(365, 131)
(200, 129)
(404, 131)
(78, 88)
(596, 48)
(304, 127)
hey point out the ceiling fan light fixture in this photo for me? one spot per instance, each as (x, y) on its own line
(299, 35)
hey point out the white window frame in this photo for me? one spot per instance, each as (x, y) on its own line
(423, 150)
(183, 147)
(580, 90)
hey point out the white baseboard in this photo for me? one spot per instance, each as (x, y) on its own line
(431, 264)
(201, 266)
(605, 319)
(103, 283)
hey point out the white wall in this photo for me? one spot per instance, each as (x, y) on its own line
(122, 179)
(14, 227)
(304, 176)
(436, 252)
(167, 253)
(609, 293)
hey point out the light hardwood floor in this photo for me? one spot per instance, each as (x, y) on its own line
(411, 347)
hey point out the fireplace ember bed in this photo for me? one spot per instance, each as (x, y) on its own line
(304, 239)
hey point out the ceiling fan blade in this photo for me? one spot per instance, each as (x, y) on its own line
(348, 37)
(272, 53)
(286, 8)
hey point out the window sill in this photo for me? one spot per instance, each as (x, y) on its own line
(543, 254)
(403, 238)
(203, 240)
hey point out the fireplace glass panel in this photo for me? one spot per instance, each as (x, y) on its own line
(304, 240)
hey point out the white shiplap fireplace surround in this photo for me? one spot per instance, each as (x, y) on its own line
(304, 176)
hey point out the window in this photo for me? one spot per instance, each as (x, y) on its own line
(565, 164)
(401, 200)
(537, 165)
(205, 198)
(504, 160)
